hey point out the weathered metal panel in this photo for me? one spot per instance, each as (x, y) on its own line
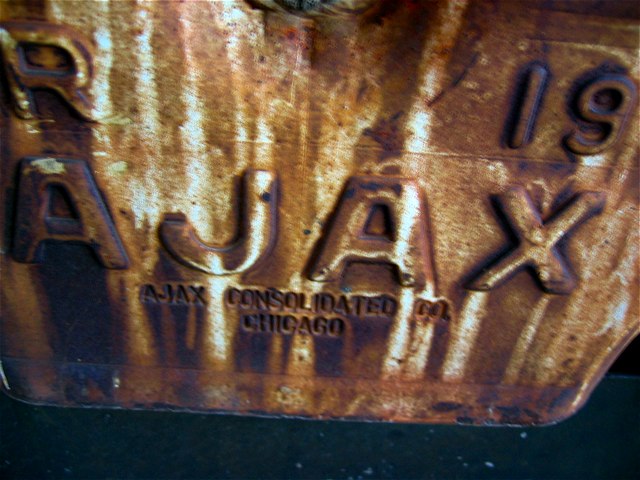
(411, 211)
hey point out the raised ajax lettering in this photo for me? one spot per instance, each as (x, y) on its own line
(378, 219)
(257, 232)
(58, 200)
(38, 55)
(48, 186)
(537, 241)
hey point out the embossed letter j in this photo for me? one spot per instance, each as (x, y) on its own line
(255, 238)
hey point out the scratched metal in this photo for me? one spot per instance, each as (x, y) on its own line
(408, 211)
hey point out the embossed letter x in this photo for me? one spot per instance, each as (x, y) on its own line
(537, 247)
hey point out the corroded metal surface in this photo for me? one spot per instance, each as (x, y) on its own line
(409, 211)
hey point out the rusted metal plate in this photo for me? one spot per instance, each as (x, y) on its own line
(408, 211)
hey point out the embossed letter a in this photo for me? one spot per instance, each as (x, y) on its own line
(58, 200)
(378, 220)
(257, 231)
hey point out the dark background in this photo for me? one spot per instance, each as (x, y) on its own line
(600, 441)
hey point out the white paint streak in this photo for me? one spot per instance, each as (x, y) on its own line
(521, 350)
(618, 314)
(419, 350)
(144, 199)
(264, 144)
(433, 64)
(463, 334)
(192, 131)
(117, 168)
(417, 138)
(145, 196)
(101, 85)
(420, 125)
(593, 160)
(199, 175)
(410, 216)
(227, 15)
(219, 335)
(573, 323)
(55, 10)
(399, 336)
(616, 311)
